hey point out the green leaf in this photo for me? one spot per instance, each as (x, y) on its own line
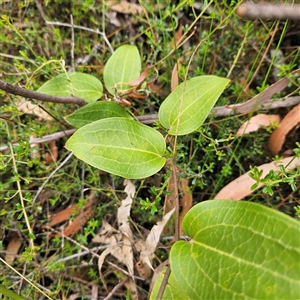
(191, 103)
(96, 111)
(238, 250)
(120, 146)
(173, 291)
(122, 67)
(82, 85)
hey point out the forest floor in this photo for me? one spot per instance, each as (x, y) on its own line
(52, 205)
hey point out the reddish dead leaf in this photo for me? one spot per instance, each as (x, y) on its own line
(125, 7)
(79, 221)
(13, 248)
(52, 157)
(254, 103)
(256, 122)
(241, 186)
(178, 36)
(175, 77)
(141, 78)
(277, 138)
(186, 201)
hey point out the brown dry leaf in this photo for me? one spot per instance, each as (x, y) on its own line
(124, 7)
(109, 235)
(52, 157)
(178, 35)
(256, 122)
(186, 201)
(174, 78)
(241, 186)
(149, 246)
(254, 103)
(79, 221)
(13, 247)
(277, 138)
(29, 108)
(141, 78)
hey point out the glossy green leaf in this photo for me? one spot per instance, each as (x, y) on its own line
(96, 111)
(82, 85)
(190, 103)
(122, 67)
(239, 250)
(120, 146)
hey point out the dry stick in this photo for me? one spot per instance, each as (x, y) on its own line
(270, 11)
(116, 288)
(16, 90)
(218, 111)
(86, 29)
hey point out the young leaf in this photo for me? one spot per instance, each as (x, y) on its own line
(239, 250)
(120, 146)
(96, 111)
(191, 103)
(82, 85)
(123, 66)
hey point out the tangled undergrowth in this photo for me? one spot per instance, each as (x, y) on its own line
(183, 38)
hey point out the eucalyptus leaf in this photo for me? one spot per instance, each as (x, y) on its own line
(238, 250)
(190, 103)
(122, 67)
(96, 111)
(120, 146)
(81, 85)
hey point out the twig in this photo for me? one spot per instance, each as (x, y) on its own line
(116, 288)
(86, 29)
(50, 176)
(163, 284)
(270, 11)
(219, 111)
(16, 90)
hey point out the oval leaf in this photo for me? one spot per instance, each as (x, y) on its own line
(239, 250)
(191, 103)
(122, 67)
(120, 146)
(78, 84)
(96, 111)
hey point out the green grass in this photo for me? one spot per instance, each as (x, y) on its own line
(210, 157)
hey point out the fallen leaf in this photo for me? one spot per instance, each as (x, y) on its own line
(257, 122)
(175, 77)
(255, 103)
(13, 248)
(79, 221)
(109, 235)
(140, 79)
(29, 108)
(125, 7)
(241, 186)
(277, 138)
(186, 201)
(52, 157)
(148, 248)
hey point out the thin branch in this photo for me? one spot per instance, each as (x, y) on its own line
(270, 11)
(86, 29)
(163, 284)
(50, 176)
(219, 111)
(16, 90)
(121, 283)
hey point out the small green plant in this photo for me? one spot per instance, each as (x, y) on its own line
(229, 246)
